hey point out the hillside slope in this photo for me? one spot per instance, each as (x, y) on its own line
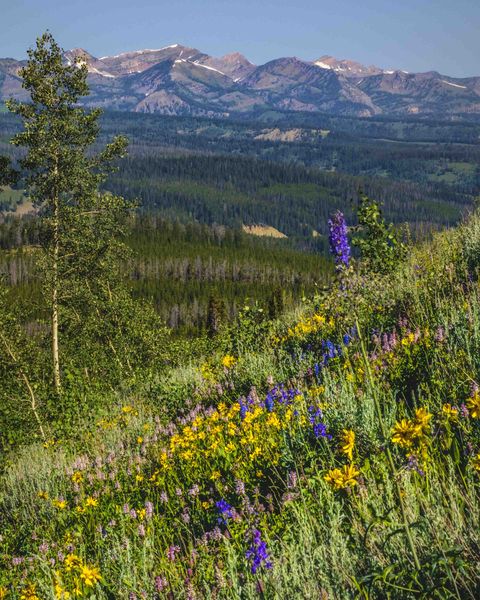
(334, 453)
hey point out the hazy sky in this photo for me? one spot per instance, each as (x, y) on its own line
(415, 35)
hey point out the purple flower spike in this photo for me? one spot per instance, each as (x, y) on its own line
(258, 553)
(338, 238)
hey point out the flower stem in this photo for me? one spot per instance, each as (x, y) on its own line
(388, 452)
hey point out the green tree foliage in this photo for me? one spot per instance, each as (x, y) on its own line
(7, 174)
(379, 245)
(20, 403)
(79, 325)
(62, 178)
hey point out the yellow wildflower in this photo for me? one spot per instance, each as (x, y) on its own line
(139, 439)
(449, 411)
(408, 431)
(60, 504)
(476, 463)
(72, 561)
(348, 442)
(61, 593)
(29, 593)
(342, 478)
(273, 421)
(473, 405)
(90, 575)
(215, 475)
(91, 502)
(404, 433)
(316, 391)
(43, 495)
(77, 477)
(3, 593)
(228, 361)
(422, 418)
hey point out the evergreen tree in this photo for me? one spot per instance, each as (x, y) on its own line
(215, 315)
(276, 303)
(62, 176)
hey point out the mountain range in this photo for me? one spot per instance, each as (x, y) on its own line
(178, 80)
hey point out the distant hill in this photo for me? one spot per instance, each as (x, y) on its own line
(179, 80)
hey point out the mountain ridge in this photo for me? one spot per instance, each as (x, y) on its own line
(181, 80)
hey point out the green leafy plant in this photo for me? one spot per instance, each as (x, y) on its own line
(378, 242)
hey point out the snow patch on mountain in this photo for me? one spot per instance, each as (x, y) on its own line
(140, 51)
(464, 87)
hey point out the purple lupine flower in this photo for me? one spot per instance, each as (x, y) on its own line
(164, 497)
(413, 465)
(160, 583)
(385, 343)
(292, 480)
(172, 552)
(141, 530)
(194, 490)
(148, 509)
(216, 534)
(43, 548)
(186, 516)
(338, 239)
(258, 553)
(240, 487)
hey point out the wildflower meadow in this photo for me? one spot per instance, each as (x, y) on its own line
(331, 453)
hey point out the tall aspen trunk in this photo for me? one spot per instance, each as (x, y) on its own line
(56, 251)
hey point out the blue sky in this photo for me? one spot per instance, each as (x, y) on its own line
(415, 35)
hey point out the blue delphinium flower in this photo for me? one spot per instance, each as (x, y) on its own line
(270, 400)
(225, 510)
(315, 416)
(338, 239)
(258, 553)
(243, 409)
(278, 394)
